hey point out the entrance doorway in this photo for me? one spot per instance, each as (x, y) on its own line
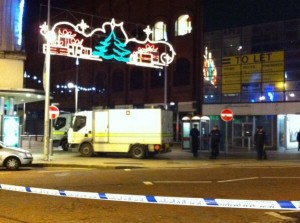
(242, 135)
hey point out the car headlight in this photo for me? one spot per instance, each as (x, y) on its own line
(28, 155)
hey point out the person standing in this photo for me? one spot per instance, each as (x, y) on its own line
(194, 134)
(260, 141)
(215, 136)
(298, 139)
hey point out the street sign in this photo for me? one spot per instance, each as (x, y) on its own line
(53, 112)
(226, 115)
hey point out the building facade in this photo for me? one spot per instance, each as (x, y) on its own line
(111, 84)
(252, 70)
(255, 72)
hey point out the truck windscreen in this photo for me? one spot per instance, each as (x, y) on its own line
(79, 123)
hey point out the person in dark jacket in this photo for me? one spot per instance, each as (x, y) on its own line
(260, 141)
(215, 136)
(298, 139)
(194, 134)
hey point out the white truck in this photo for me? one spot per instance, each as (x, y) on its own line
(138, 132)
(61, 126)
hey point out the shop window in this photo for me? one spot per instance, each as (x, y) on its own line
(182, 73)
(136, 78)
(183, 25)
(159, 31)
(118, 81)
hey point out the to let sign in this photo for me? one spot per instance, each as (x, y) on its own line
(226, 115)
(53, 112)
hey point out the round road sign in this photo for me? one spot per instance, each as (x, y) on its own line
(53, 112)
(226, 115)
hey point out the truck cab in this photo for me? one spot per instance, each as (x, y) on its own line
(61, 126)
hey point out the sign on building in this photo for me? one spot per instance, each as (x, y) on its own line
(253, 72)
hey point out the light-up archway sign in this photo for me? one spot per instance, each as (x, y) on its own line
(112, 43)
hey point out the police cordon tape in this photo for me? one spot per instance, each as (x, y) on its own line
(185, 201)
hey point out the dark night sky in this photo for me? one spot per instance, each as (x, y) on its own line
(220, 14)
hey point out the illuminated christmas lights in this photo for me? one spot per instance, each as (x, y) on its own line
(147, 53)
(209, 68)
(65, 87)
(112, 48)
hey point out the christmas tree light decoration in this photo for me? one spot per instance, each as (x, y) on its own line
(112, 48)
(147, 53)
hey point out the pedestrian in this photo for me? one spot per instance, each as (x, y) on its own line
(194, 134)
(260, 142)
(298, 139)
(215, 136)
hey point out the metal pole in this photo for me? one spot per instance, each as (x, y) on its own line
(166, 86)
(76, 86)
(166, 89)
(47, 93)
(24, 118)
(51, 139)
(226, 137)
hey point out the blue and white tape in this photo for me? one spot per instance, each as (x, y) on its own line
(185, 201)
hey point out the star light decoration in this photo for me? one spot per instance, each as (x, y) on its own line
(147, 53)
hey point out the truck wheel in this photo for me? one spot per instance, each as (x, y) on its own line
(86, 150)
(65, 145)
(138, 152)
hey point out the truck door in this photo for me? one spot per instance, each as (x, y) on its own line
(100, 126)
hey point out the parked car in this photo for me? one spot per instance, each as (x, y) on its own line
(12, 158)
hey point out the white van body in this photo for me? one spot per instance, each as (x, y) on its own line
(139, 132)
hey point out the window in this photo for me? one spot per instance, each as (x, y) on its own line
(160, 31)
(182, 73)
(136, 78)
(157, 78)
(118, 81)
(59, 123)
(79, 123)
(183, 25)
(101, 80)
(138, 32)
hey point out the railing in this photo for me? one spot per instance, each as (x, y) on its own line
(27, 139)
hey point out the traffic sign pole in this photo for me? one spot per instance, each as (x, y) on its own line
(53, 114)
(226, 137)
(51, 139)
(226, 116)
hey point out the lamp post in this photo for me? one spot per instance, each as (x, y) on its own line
(166, 84)
(47, 91)
(70, 85)
(76, 86)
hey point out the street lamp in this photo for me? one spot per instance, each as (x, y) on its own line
(70, 85)
(76, 86)
(47, 90)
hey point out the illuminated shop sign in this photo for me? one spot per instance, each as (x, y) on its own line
(209, 68)
(112, 43)
(11, 131)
